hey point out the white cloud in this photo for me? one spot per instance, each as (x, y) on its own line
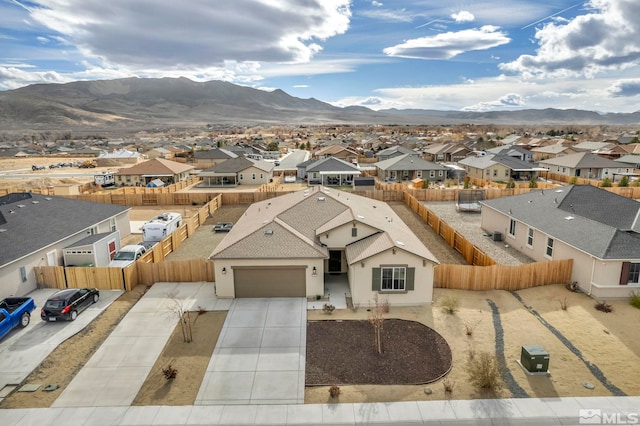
(606, 38)
(463, 16)
(508, 101)
(199, 33)
(376, 3)
(301, 86)
(13, 77)
(450, 44)
(389, 15)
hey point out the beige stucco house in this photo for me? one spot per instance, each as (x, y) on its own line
(284, 246)
(598, 229)
(143, 174)
(238, 171)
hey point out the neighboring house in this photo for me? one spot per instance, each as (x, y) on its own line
(446, 152)
(34, 230)
(518, 152)
(598, 229)
(585, 165)
(409, 167)
(284, 246)
(629, 160)
(551, 151)
(121, 156)
(593, 146)
(159, 152)
(211, 157)
(337, 151)
(328, 171)
(395, 151)
(144, 173)
(238, 171)
(499, 168)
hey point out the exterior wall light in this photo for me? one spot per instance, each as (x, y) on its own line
(314, 272)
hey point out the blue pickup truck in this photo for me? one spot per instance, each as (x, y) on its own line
(15, 311)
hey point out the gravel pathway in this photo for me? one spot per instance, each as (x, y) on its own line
(468, 225)
(516, 390)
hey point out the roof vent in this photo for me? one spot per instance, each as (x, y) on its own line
(35, 202)
(569, 218)
(47, 198)
(322, 198)
(400, 243)
(268, 232)
(3, 230)
(360, 216)
(21, 205)
(559, 190)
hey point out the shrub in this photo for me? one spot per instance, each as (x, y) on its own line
(511, 184)
(449, 304)
(604, 307)
(334, 391)
(448, 386)
(635, 299)
(469, 327)
(533, 183)
(483, 371)
(169, 372)
(385, 306)
(606, 183)
(624, 181)
(328, 308)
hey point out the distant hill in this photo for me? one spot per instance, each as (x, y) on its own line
(135, 103)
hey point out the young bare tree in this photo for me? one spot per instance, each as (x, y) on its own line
(376, 319)
(185, 319)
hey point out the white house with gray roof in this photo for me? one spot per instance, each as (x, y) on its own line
(284, 246)
(408, 167)
(585, 165)
(330, 171)
(35, 229)
(238, 171)
(598, 229)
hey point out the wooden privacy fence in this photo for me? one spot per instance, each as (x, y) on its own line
(501, 277)
(472, 254)
(150, 268)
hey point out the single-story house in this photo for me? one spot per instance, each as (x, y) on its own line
(284, 246)
(337, 151)
(585, 165)
(499, 168)
(238, 171)
(596, 228)
(35, 229)
(329, 171)
(119, 156)
(211, 157)
(395, 151)
(408, 167)
(141, 174)
(551, 151)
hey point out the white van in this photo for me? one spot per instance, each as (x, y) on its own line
(127, 255)
(158, 228)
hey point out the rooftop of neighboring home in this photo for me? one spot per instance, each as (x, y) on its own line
(156, 167)
(581, 160)
(30, 222)
(238, 164)
(408, 162)
(596, 221)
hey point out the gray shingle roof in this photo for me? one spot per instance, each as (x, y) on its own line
(306, 214)
(44, 221)
(408, 162)
(215, 154)
(586, 225)
(331, 164)
(581, 160)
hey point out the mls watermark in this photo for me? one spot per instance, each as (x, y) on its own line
(595, 416)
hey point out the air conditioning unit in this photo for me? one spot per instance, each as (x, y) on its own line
(534, 359)
(497, 236)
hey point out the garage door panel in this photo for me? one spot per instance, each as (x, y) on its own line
(270, 282)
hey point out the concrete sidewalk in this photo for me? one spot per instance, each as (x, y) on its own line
(114, 374)
(525, 411)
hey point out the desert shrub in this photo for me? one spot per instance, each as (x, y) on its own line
(385, 306)
(483, 371)
(604, 307)
(467, 182)
(533, 183)
(169, 372)
(448, 386)
(334, 391)
(635, 299)
(563, 304)
(511, 184)
(328, 308)
(606, 183)
(624, 181)
(449, 304)
(573, 180)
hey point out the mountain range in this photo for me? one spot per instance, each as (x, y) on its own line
(140, 103)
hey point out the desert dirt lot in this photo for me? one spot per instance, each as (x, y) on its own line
(585, 346)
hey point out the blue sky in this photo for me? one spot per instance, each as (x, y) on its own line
(474, 55)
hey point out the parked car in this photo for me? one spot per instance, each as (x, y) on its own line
(223, 227)
(15, 311)
(37, 167)
(127, 255)
(68, 303)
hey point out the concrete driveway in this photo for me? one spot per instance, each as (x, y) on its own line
(24, 349)
(260, 355)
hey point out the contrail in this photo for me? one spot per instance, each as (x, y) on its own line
(432, 21)
(550, 16)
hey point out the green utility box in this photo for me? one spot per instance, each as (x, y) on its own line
(534, 359)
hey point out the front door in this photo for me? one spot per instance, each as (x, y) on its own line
(335, 261)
